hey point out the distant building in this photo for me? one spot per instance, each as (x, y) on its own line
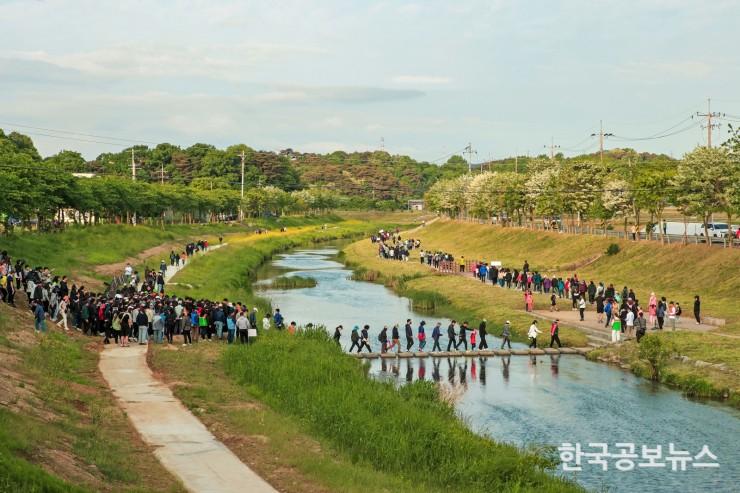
(83, 175)
(416, 205)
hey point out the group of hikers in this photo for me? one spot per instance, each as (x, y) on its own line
(139, 313)
(458, 336)
(391, 246)
(619, 309)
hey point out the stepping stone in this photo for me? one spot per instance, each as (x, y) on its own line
(502, 352)
(486, 352)
(568, 350)
(551, 350)
(387, 355)
(421, 354)
(538, 352)
(371, 355)
(406, 355)
(520, 352)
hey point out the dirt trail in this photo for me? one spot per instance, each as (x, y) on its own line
(117, 268)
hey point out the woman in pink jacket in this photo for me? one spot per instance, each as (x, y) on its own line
(652, 308)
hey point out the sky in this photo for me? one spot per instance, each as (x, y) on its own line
(422, 78)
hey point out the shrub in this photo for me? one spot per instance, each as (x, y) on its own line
(612, 249)
(656, 352)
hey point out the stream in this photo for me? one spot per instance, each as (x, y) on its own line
(533, 401)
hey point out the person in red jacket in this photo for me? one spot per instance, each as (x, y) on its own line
(554, 333)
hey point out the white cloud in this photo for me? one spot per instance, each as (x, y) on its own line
(219, 61)
(421, 79)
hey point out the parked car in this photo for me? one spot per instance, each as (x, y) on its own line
(717, 230)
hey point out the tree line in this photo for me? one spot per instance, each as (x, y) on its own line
(703, 182)
(47, 193)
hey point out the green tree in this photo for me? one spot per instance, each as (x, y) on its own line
(705, 180)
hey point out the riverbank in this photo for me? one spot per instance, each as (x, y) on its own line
(453, 297)
(60, 427)
(703, 364)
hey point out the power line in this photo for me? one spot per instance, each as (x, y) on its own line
(78, 133)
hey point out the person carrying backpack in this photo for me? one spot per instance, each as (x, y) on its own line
(355, 338)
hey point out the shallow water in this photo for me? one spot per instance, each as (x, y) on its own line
(529, 401)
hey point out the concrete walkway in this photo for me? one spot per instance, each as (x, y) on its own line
(182, 443)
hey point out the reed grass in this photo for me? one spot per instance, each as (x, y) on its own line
(407, 431)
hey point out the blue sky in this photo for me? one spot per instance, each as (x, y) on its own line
(428, 76)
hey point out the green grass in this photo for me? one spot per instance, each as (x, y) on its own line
(408, 432)
(273, 443)
(291, 282)
(73, 416)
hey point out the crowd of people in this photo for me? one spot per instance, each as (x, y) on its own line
(392, 246)
(140, 312)
(458, 336)
(618, 309)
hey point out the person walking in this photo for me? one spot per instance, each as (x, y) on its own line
(640, 325)
(409, 335)
(616, 330)
(242, 327)
(672, 315)
(355, 338)
(337, 334)
(506, 335)
(451, 336)
(142, 322)
(463, 336)
(553, 302)
(554, 329)
(697, 309)
(660, 313)
(365, 339)
(482, 332)
(383, 338)
(39, 317)
(422, 335)
(652, 310)
(187, 326)
(395, 339)
(532, 334)
(608, 309)
(581, 306)
(436, 334)
(629, 322)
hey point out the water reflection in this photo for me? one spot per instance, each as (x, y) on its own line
(526, 400)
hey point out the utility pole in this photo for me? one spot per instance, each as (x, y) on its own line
(382, 143)
(469, 150)
(552, 148)
(133, 165)
(241, 211)
(601, 135)
(516, 163)
(709, 115)
(161, 174)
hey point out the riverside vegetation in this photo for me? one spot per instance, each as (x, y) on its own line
(701, 364)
